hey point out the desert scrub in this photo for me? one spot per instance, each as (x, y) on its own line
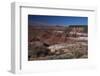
(84, 56)
(65, 56)
(39, 51)
(78, 50)
(78, 53)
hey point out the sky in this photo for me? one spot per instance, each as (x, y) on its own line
(58, 20)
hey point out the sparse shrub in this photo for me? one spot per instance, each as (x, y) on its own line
(37, 51)
(58, 52)
(51, 57)
(78, 53)
(41, 51)
(65, 56)
(84, 56)
(78, 50)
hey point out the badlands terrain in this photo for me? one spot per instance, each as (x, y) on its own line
(57, 42)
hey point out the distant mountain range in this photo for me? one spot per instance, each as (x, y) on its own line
(44, 24)
(50, 25)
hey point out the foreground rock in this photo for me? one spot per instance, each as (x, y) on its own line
(60, 51)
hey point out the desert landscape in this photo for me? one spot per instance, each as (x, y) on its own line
(57, 37)
(57, 42)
